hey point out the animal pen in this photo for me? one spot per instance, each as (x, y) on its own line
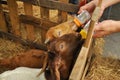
(11, 24)
(30, 22)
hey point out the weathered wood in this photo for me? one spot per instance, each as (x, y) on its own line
(88, 62)
(44, 15)
(53, 4)
(41, 23)
(30, 28)
(44, 12)
(3, 2)
(79, 67)
(24, 42)
(12, 5)
(3, 26)
(62, 15)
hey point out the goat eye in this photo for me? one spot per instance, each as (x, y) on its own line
(58, 32)
(62, 46)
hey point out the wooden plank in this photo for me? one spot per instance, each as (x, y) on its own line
(24, 42)
(44, 12)
(30, 28)
(41, 23)
(62, 15)
(54, 4)
(3, 26)
(12, 5)
(44, 15)
(87, 63)
(79, 66)
(3, 2)
(78, 69)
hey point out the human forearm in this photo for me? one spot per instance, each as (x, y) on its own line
(106, 27)
(106, 3)
(116, 26)
(91, 5)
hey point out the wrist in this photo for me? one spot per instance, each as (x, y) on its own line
(95, 2)
(117, 25)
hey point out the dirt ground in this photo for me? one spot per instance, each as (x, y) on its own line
(102, 68)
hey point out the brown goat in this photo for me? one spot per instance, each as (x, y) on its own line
(31, 58)
(59, 30)
(62, 53)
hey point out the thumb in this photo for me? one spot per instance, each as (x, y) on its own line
(80, 10)
(98, 27)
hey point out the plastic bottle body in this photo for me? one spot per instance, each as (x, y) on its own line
(82, 18)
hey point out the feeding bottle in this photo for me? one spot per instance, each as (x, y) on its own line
(84, 31)
(81, 19)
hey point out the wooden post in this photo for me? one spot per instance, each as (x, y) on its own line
(12, 5)
(44, 15)
(3, 26)
(62, 15)
(30, 29)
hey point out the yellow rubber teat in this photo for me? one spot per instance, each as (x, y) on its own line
(83, 34)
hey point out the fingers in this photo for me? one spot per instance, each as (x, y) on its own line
(81, 9)
(99, 27)
(99, 34)
(99, 30)
(89, 7)
(102, 29)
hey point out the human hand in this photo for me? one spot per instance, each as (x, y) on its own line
(90, 7)
(104, 28)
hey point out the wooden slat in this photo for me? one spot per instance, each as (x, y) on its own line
(52, 4)
(62, 15)
(3, 26)
(79, 66)
(44, 12)
(44, 15)
(12, 5)
(36, 22)
(30, 28)
(24, 42)
(87, 63)
(3, 2)
(78, 69)
(41, 23)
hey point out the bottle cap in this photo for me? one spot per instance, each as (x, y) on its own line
(83, 17)
(77, 22)
(83, 34)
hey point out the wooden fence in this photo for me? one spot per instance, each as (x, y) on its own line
(44, 23)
